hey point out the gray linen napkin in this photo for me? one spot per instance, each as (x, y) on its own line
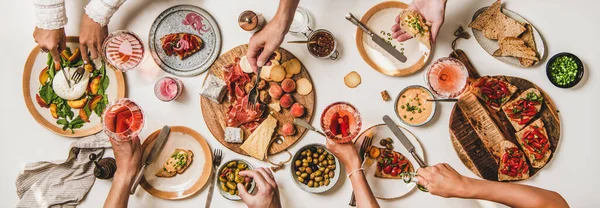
(61, 183)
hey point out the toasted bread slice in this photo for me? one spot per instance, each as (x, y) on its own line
(179, 161)
(515, 47)
(504, 146)
(477, 91)
(414, 24)
(509, 107)
(486, 16)
(169, 42)
(379, 172)
(536, 163)
(527, 36)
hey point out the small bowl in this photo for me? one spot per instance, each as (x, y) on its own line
(218, 183)
(580, 69)
(321, 189)
(434, 105)
(326, 119)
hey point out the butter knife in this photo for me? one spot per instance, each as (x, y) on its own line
(375, 38)
(158, 145)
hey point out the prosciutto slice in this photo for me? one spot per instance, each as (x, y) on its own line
(239, 114)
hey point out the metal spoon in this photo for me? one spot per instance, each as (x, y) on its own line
(303, 41)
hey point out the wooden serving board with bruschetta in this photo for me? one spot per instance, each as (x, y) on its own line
(215, 114)
(479, 130)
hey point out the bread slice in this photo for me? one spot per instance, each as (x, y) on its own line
(486, 16)
(527, 36)
(536, 163)
(379, 172)
(477, 90)
(169, 42)
(414, 24)
(509, 107)
(515, 47)
(170, 168)
(502, 26)
(504, 146)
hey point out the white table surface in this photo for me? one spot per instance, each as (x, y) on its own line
(565, 25)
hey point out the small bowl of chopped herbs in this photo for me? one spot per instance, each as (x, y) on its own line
(564, 70)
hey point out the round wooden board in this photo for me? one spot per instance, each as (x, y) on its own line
(51, 125)
(214, 113)
(202, 179)
(471, 149)
(399, 72)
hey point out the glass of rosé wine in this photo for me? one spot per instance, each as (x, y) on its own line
(123, 120)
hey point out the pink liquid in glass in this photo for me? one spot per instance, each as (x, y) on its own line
(168, 88)
(123, 50)
(123, 120)
(447, 77)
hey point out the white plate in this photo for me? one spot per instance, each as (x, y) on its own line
(390, 188)
(491, 45)
(380, 18)
(180, 185)
(31, 85)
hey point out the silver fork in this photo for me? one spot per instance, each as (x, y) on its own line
(253, 95)
(217, 156)
(78, 75)
(361, 154)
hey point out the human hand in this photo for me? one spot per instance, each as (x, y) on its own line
(263, 43)
(91, 37)
(433, 12)
(346, 153)
(128, 156)
(267, 194)
(51, 41)
(443, 180)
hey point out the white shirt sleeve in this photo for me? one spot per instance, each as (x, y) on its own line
(102, 10)
(50, 14)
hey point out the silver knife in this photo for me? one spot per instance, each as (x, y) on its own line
(380, 41)
(158, 145)
(65, 74)
(403, 139)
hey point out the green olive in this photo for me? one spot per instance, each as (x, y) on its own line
(331, 162)
(230, 176)
(389, 140)
(232, 164)
(224, 187)
(389, 146)
(331, 167)
(301, 169)
(222, 179)
(303, 153)
(322, 157)
(330, 157)
(322, 169)
(312, 176)
(326, 176)
(303, 175)
(298, 173)
(331, 174)
(326, 182)
(304, 160)
(315, 154)
(321, 183)
(239, 179)
(242, 166)
(309, 170)
(232, 191)
(231, 185)
(308, 153)
(318, 172)
(309, 159)
(298, 162)
(320, 150)
(382, 142)
(326, 170)
(300, 179)
(318, 178)
(310, 183)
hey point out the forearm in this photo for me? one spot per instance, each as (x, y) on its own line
(514, 195)
(118, 196)
(285, 13)
(362, 192)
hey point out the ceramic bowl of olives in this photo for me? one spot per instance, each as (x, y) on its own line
(314, 169)
(228, 177)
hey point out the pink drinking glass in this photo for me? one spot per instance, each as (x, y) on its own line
(168, 88)
(342, 109)
(123, 120)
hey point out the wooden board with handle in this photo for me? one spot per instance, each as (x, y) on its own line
(469, 141)
(215, 114)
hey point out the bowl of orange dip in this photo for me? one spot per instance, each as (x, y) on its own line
(412, 106)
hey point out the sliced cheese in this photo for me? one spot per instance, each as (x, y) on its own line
(214, 89)
(257, 143)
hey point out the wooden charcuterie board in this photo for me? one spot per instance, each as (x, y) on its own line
(214, 114)
(472, 139)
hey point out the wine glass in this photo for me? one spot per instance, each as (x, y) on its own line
(123, 120)
(341, 122)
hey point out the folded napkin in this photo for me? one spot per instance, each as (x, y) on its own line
(61, 183)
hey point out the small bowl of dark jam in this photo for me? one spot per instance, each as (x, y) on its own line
(324, 47)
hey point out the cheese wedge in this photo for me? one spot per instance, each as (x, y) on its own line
(257, 143)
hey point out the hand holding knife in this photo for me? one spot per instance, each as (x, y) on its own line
(159, 143)
(375, 38)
